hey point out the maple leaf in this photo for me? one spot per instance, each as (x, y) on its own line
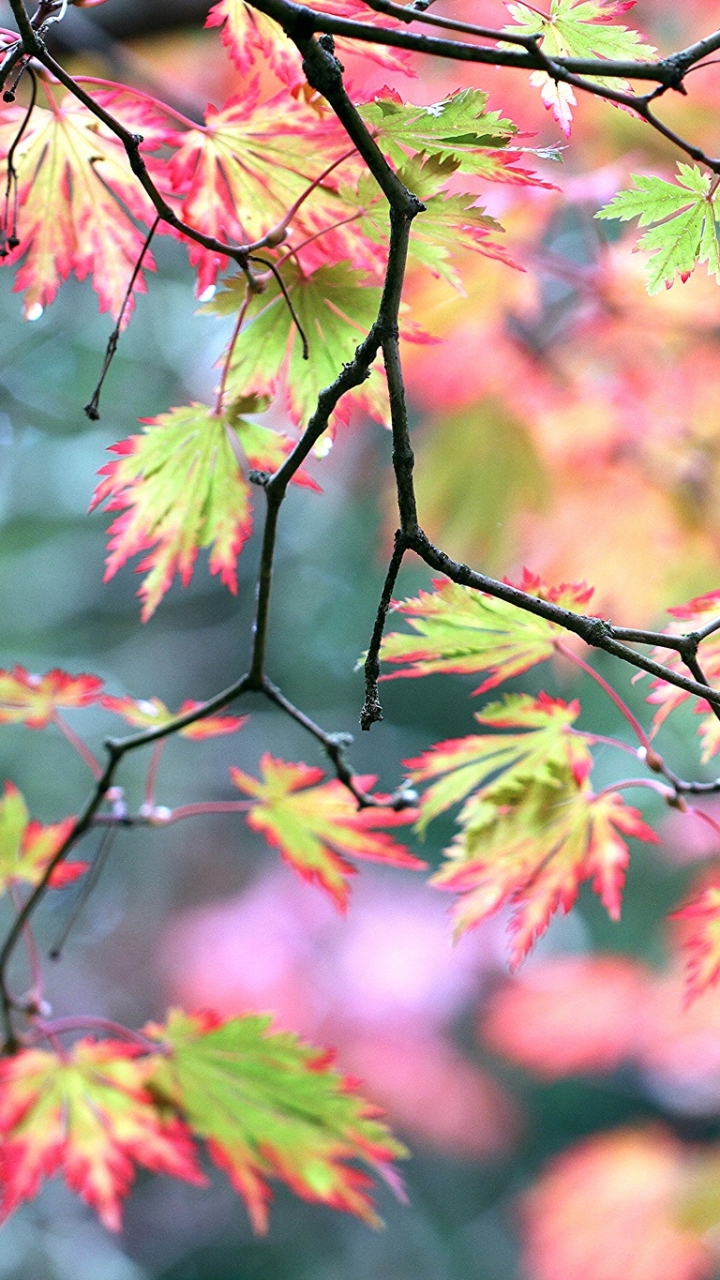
(241, 173)
(458, 129)
(336, 308)
(317, 828)
(253, 39)
(32, 700)
(26, 847)
(462, 631)
(151, 713)
(269, 1106)
(693, 616)
(68, 161)
(701, 941)
(450, 225)
(88, 1114)
(465, 764)
(180, 487)
(578, 29)
(530, 843)
(684, 213)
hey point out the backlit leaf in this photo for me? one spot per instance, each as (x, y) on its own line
(458, 129)
(462, 631)
(253, 40)
(151, 713)
(463, 765)
(32, 700)
(68, 161)
(336, 308)
(530, 844)
(180, 487)
(26, 847)
(450, 225)
(89, 1115)
(578, 29)
(270, 1107)
(240, 173)
(684, 213)
(317, 828)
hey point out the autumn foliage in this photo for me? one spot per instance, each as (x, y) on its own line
(372, 235)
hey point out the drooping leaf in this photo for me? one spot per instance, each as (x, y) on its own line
(26, 847)
(270, 1107)
(240, 174)
(180, 487)
(89, 1115)
(578, 29)
(684, 214)
(68, 161)
(530, 844)
(32, 700)
(254, 40)
(317, 828)
(463, 765)
(151, 713)
(458, 129)
(463, 631)
(336, 308)
(694, 616)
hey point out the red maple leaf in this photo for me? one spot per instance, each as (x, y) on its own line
(317, 827)
(89, 1115)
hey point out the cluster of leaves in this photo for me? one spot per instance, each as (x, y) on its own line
(268, 182)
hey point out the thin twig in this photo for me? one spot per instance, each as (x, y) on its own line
(92, 409)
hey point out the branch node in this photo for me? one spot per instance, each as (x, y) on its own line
(598, 630)
(372, 713)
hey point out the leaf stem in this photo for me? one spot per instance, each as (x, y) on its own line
(82, 749)
(622, 706)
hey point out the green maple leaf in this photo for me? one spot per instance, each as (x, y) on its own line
(530, 843)
(180, 487)
(336, 308)
(317, 828)
(461, 631)
(578, 29)
(458, 129)
(463, 765)
(269, 1106)
(450, 224)
(686, 230)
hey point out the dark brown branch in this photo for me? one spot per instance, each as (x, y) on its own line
(596, 632)
(411, 13)
(300, 22)
(336, 745)
(372, 708)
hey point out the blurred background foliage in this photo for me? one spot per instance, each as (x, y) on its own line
(567, 422)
